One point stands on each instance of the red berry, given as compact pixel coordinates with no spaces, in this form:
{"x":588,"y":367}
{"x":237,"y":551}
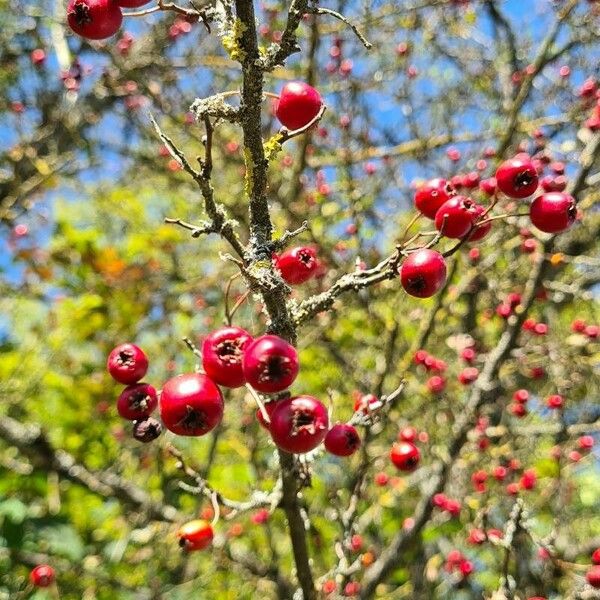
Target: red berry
{"x":521,"y":396}
{"x":407,"y":434}
{"x":554,"y":401}
{"x":529,"y":246}
{"x":528,"y":479}
{"x":585,"y":442}
{"x":512,"y":489}
{"x":137,"y":401}
{"x":356,"y":542}
{"x":468,"y":375}
{"x":38,"y":56}
{"x":455,"y":217}
{"x":518,"y":410}
{"x":270,"y":364}
{"x":430,"y":196}
{"x":405,"y":456}
{"x":352,"y":588}
{"x":423,"y":273}
{"x":42,"y":576}
{"x":553,"y":212}
{"x":453,"y":507}
{"x":596,"y":556}
{"x":298,"y":264}
{"x":466,"y":568}
{"x":94,"y":19}
{"x":328,"y":587}
{"x":578,"y":326}
{"x":222,"y":354}
{"x":191,"y":404}
{"x":342,"y":440}
{"x":468,"y":355}
{"x":298,"y":105}
{"x":195,"y":535}
{"x":436,"y":384}
{"x":299,"y":424}
{"x":381,"y":479}
{"x":592,"y":331}
{"x":517,"y":177}
{"x":127,"y":363}
{"x":593,"y":577}
{"x":488,"y":186}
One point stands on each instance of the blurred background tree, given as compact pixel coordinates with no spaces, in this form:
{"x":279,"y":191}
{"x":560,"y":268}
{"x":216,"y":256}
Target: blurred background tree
{"x":447,"y":89}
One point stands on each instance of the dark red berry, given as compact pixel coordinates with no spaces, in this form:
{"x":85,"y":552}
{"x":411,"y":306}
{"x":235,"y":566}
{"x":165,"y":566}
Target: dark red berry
{"x":299,"y":424}
{"x":270,"y":364}
{"x":423,"y":273}
{"x":191,"y":404}
{"x":42,"y":576}
{"x":405,"y":456}
{"x":195,"y":535}
{"x":431,"y":195}
{"x":455,"y":217}
{"x":342,"y":440}
{"x":127,"y":363}
{"x":298,"y":105}
{"x":517,"y":177}
{"x":593,"y":577}
{"x":222,"y":355}
{"x":94,"y":19}
{"x":137,"y":401}
{"x":298,"y":264}
{"x":553,"y":212}
{"x":146,"y":430}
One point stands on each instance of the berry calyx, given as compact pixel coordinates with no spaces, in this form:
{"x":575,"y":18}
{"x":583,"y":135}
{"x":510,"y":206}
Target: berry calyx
{"x":146,"y":430}
{"x":299,"y":424}
{"x":195,"y":535}
{"x":222,"y":355}
{"x":42,"y":576}
{"x":342,"y":440}
{"x":94,"y":19}
{"x":191,"y":404}
{"x":270,"y":364}
{"x":431,"y":195}
{"x":127,"y":363}
{"x":553,"y":212}
{"x":517,"y":177}
{"x":299,"y":103}
{"x":455,"y":217}
{"x":298,"y":264}
{"x":423,"y":273}
{"x":405,"y":456}
{"x":137,"y":401}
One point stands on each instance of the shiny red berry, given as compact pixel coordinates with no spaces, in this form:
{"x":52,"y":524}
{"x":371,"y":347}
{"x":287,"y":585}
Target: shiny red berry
{"x":127,"y":363}
{"x":137,"y":401}
{"x":521,"y":396}
{"x":195,"y":535}
{"x":270,"y":364}
{"x":299,"y":424}
{"x":94,"y":19}
{"x":42,"y":576}
{"x":191,"y":404}
{"x":342,"y":440}
{"x":298,"y":264}
{"x":222,"y":354}
{"x":455,"y":217}
{"x":298,"y":105}
{"x":517,"y":177}
{"x":405,"y":456}
{"x":431,"y":195}
{"x":423,"y":273}
{"x":553,"y":212}
{"x":596,"y":556}
{"x":555,"y":401}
